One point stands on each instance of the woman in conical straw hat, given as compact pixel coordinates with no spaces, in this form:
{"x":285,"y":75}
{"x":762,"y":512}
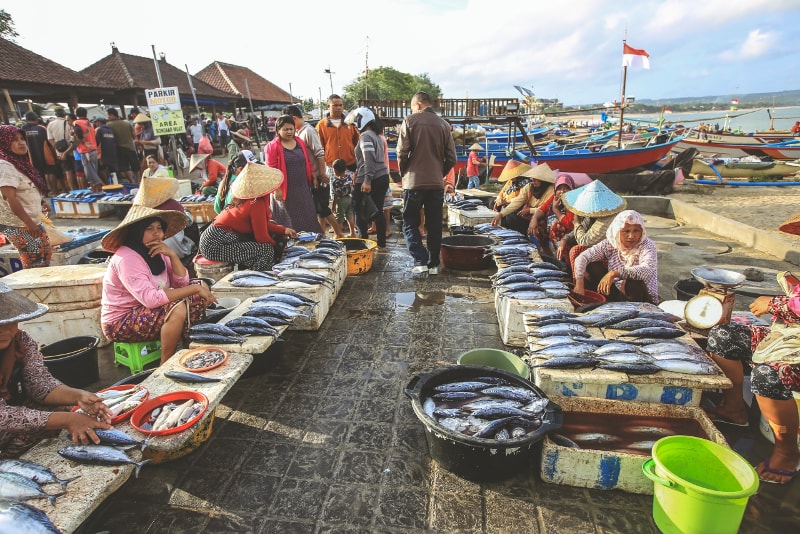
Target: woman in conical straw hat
{"x":512,"y":184}
{"x":474,"y":163}
{"x":147,"y":293}
{"x":627,"y":260}
{"x":27,"y":388}
{"x":552,"y":219}
{"x":517,"y":214}
{"x":594,"y":206}
{"x":244,"y":233}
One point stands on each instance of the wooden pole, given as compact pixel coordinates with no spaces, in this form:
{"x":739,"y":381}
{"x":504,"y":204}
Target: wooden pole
{"x":10,"y":105}
{"x":622,"y":105}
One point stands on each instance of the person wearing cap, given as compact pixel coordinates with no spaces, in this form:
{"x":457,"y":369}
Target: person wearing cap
{"x":106,"y":149}
{"x":127,"y":159}
{"x":556,"y":217}
{"x":147,"y":294}
{"x":372,"y":174}
{"x":518,"y":213}
{"x":22,"y":204}
{"x":59,"y":133}
{"x":224,"y":195}
{"x":626,"y":263}
{"x":594,"y":206}
{"x":320,"y":184}
{"x":40,"y":150}
{"x":292,"y":204}
{"x":513,"y":183}
{"x":27,"y":388}
{"x":244,"y":232}
{"x":474,"y":163}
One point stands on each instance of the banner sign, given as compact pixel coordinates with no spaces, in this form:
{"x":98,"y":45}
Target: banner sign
{"x":165,"y":110}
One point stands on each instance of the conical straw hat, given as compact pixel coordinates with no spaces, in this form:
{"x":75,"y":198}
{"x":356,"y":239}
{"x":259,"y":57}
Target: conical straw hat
{"x":195,"y":160}
{"x":154,"y":191}
{"x":141,"y":117}
{"x":176,"y":221}
{"x":256,"y":181}
{"x":15,"y":308}
{"x":513,"y":169}
{"x":791,"y":225}
{"x":593,"y":200}
{"x":541,"y":172}
{"x":476,"y":146}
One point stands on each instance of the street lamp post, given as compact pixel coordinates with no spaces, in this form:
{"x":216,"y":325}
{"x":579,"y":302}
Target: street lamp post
{"x":330,"y":76}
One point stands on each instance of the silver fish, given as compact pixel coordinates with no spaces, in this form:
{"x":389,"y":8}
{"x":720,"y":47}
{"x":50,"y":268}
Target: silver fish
{"x":496,"y":412}
{"x":32,"y":470}
{"x":687,"y":367}
{"x":244,"y":274}
{"x":596,"y":438}
{"x":625,"y":357}
{"x":630,"y":368}
{"x":563,"y":441}
{"x":526,"y":295}
{"x":22,"y":518}
{"x":655,"y":431}
{"x":212,"y":328}
{"x":511,"y":392}
{"x":571,"y":349}
{"x":611,"y":348}
{"x":186,"y":376}
{"x":672,"y":346}
{"x":566,"y":362}
{"x":253,"y":281}
{"x":21,"y":488}
{"x":574,"y":330}
{"x":113,"y":436}
{"x":461,"y":386}
{"x":642,"y":445}
{"x":655,"y":332}
{"x":485,"y":403}
{"x":609,"y":318}
{"x":638,"y":322}
{"x":101,"y":454}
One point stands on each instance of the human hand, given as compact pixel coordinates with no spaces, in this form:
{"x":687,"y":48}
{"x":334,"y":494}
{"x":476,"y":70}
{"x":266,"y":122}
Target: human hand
{"x":449,"y":189}
{"x":81,"y":428}
{"x":278,"y":195}
{"x":366,"y":188}
{"x":579,"y":289}
{"x":496,"y":220}
{"x":760,"y":306}
{"x":34,"y":230}
{"x":159,"y":247}
{"x":206,"y":294}
{"x":604,"y":286}
{"x":561,"y":252}
{"x":93,"y":406}
{"x":291,"y":233}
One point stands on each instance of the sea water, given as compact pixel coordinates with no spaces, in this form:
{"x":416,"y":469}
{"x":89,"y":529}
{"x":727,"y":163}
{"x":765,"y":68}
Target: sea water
{"x":744,"y":120}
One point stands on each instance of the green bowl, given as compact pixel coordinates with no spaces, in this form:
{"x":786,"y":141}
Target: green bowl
{"x":497,"y":358}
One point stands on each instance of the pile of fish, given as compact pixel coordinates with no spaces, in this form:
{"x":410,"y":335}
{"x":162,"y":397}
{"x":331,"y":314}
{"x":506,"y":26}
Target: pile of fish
{"x":451,"y":198}
{"x":294,"y":270}
{"x":203,"y":359}
{"x":118,"y":197}
{"x":531,"y":280}
{"x":172,"y":415}
{"x":215,"y":333}
{"x":188,"y":199}
{"x":82,"y":195}
{"x":486,"y":407}
{"x":121,"y":401}
{"x":638,"y":439}
{"x":562,"y":340}
{"x":471,"y":204}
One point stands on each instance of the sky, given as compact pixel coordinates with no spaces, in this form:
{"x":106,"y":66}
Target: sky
{"x":570,"y":50}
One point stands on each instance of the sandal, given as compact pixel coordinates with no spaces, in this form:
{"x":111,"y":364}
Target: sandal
{"x":774,"y":471}
{"x":725,"y":420}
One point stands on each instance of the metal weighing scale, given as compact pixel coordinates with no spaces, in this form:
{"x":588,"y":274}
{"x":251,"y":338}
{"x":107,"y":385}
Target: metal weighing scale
{"x":719,"y":284}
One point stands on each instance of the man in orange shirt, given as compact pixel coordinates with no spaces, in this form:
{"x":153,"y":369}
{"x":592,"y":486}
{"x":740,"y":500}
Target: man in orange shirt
{"x":84,"y":141}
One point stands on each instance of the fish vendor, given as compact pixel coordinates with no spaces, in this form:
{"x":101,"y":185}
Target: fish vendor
{"x":147,"y":293}
{"x":244,"y":232}
{"x":26,"y":386}
{"x":517,"y":214}
{"x":627,"y":260}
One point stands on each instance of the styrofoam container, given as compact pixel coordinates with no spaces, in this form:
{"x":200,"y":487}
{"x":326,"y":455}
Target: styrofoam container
{"x":57,"y":325}
{"x":10,"y":262}
{"x":510,"y":316}
{"x":65,"y":285}
{"x":607,"y":470}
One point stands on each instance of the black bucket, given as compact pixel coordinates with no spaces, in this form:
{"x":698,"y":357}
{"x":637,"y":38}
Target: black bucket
{"x":687,"y":288}
{"x":73,"y":360}
{"x":95,"y":256}
{"x":477,"y":458}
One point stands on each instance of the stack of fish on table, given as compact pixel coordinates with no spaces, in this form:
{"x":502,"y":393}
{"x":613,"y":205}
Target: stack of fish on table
{"x":191,"y":199}
{"x":23,"y":480}
{"x":643,"y":339}
{"x":471,"y":204}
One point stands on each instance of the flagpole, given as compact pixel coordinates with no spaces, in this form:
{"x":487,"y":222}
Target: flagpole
{"x":622,"y":99}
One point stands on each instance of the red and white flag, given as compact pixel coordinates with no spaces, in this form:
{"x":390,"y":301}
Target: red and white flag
{"x":634,"y":57}
{"x":734,"y":101}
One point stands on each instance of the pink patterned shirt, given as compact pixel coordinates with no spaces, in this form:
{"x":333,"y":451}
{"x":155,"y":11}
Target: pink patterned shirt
{"x":645,"y":267}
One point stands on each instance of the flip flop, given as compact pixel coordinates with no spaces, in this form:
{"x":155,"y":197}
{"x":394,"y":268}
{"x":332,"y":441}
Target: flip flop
{"x":718,"y":418}
{"x":779,"y":472}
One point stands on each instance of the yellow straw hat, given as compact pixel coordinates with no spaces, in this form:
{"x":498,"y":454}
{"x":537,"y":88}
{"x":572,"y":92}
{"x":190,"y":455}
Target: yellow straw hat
{"x":476,"y":146}
{"x":141,"y":117}
{"x":256,"y":181}
{"x":154,"y":191}
{"x":513,"y":169}
{"x":195,"y":160}
{"x":541,"y":172}
{"x":176,"y":221}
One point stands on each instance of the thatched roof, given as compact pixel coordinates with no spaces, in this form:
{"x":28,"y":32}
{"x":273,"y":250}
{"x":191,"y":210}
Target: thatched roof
{"x":231,"y":79}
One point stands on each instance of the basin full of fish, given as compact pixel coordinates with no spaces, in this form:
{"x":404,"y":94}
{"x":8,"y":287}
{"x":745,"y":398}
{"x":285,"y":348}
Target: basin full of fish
{"x":486,"y":407}
{"x":203,"y":359}
{"x":170,"y":416}
{"x":121,"y":400}
{"x":648,"y":343}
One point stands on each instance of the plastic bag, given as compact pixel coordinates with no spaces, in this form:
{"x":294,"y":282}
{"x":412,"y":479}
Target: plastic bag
{"x":204,"y":146}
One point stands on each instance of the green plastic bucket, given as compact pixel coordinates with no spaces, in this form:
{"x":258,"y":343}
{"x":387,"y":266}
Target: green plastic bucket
{"x":699,"y":486}
{"x":498,"y":359}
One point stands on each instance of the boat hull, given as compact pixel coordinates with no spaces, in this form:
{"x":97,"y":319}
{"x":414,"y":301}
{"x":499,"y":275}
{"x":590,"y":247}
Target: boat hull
{"x":727,"y":150}
{"x":702,"y":168}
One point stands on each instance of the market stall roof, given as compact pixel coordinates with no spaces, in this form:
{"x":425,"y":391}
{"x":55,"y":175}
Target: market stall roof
{"x":131,"y":75}
{"x":231,"y":79}
{"x":26,"y":74}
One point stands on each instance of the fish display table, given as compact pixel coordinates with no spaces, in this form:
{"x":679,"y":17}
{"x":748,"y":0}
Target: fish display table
{"x":457,"y":217}
{"x":252,"y":344}
{"x":486,"y":196}
{"x":510,"y":313}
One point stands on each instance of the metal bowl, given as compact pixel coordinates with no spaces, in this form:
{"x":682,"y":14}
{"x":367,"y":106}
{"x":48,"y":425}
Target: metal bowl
{"x":718,"y":278}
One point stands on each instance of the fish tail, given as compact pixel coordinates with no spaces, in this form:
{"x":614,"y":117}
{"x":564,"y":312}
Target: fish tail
{"x":52,"y":498}
{"x":146,"y":442}
{"x":139,"y":467}
{"x":67,"y":481}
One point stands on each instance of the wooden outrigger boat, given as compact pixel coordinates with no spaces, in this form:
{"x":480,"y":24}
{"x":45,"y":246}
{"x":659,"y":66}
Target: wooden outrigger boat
{"x":735,"y":168}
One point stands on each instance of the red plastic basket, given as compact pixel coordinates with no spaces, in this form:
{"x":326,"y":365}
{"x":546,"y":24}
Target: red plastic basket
{"x":142,"y":414}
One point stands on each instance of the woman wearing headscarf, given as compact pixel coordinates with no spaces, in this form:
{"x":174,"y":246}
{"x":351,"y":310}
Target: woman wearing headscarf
{"x":22,"y":205}
{"x":147,"y":294}
{"x":292,"y":204}
{"x":631,"y":259}
{"x":552,"y":220}
{"x":243,"y":233}
{"x":594,"y":206}
{"x":27,"y":388}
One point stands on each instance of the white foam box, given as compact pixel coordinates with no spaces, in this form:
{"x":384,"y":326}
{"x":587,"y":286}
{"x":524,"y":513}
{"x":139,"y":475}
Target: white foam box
{"x":184,"y":188}
{"x":10,"y":262}
{"x":609,"y":470}
{"x":61,"y":287}
{"x":57,"y":325}
{"x":81,"y":210}
{"x":510,"y":312}
{"x":457,"y":217}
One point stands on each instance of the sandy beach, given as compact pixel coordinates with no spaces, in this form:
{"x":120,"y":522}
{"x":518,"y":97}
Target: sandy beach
{"x":761,"y":207}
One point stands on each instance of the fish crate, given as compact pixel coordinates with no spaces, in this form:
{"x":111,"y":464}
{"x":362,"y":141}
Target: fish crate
{"x":510,"y":316}
{"x":457,"y":217}
{"x":57,"y":325}
{"x":65,"y":209}
{"x":610,"y":470}
{"x":62,"y":288}
{"x":201,"y":212}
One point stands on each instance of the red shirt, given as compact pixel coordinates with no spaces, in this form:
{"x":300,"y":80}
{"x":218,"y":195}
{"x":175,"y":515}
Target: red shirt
{"x":214,"y":168}
{"x":472,"y":164}
{"x":89,"y":143}
{"x":251,"y":218}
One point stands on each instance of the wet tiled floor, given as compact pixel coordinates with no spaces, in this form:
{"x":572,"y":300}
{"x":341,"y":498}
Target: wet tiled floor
{"x":325,"y":440}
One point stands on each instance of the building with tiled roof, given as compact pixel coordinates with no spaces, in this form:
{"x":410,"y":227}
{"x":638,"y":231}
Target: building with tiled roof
{"x":131,"y":75}
{"x":27,"y":75}
{"x":236,"y":80}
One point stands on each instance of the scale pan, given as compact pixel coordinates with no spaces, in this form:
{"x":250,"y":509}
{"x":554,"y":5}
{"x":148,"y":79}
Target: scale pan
{"x":718,"y":278}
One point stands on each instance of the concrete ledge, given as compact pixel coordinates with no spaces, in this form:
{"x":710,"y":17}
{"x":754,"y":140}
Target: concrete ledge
{"x":717,"y":224}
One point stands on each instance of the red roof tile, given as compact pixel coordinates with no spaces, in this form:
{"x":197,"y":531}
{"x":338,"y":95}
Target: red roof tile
{"x":231,"y":79}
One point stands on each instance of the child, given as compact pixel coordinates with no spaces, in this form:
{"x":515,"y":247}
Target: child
{"x":342,"y":185}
